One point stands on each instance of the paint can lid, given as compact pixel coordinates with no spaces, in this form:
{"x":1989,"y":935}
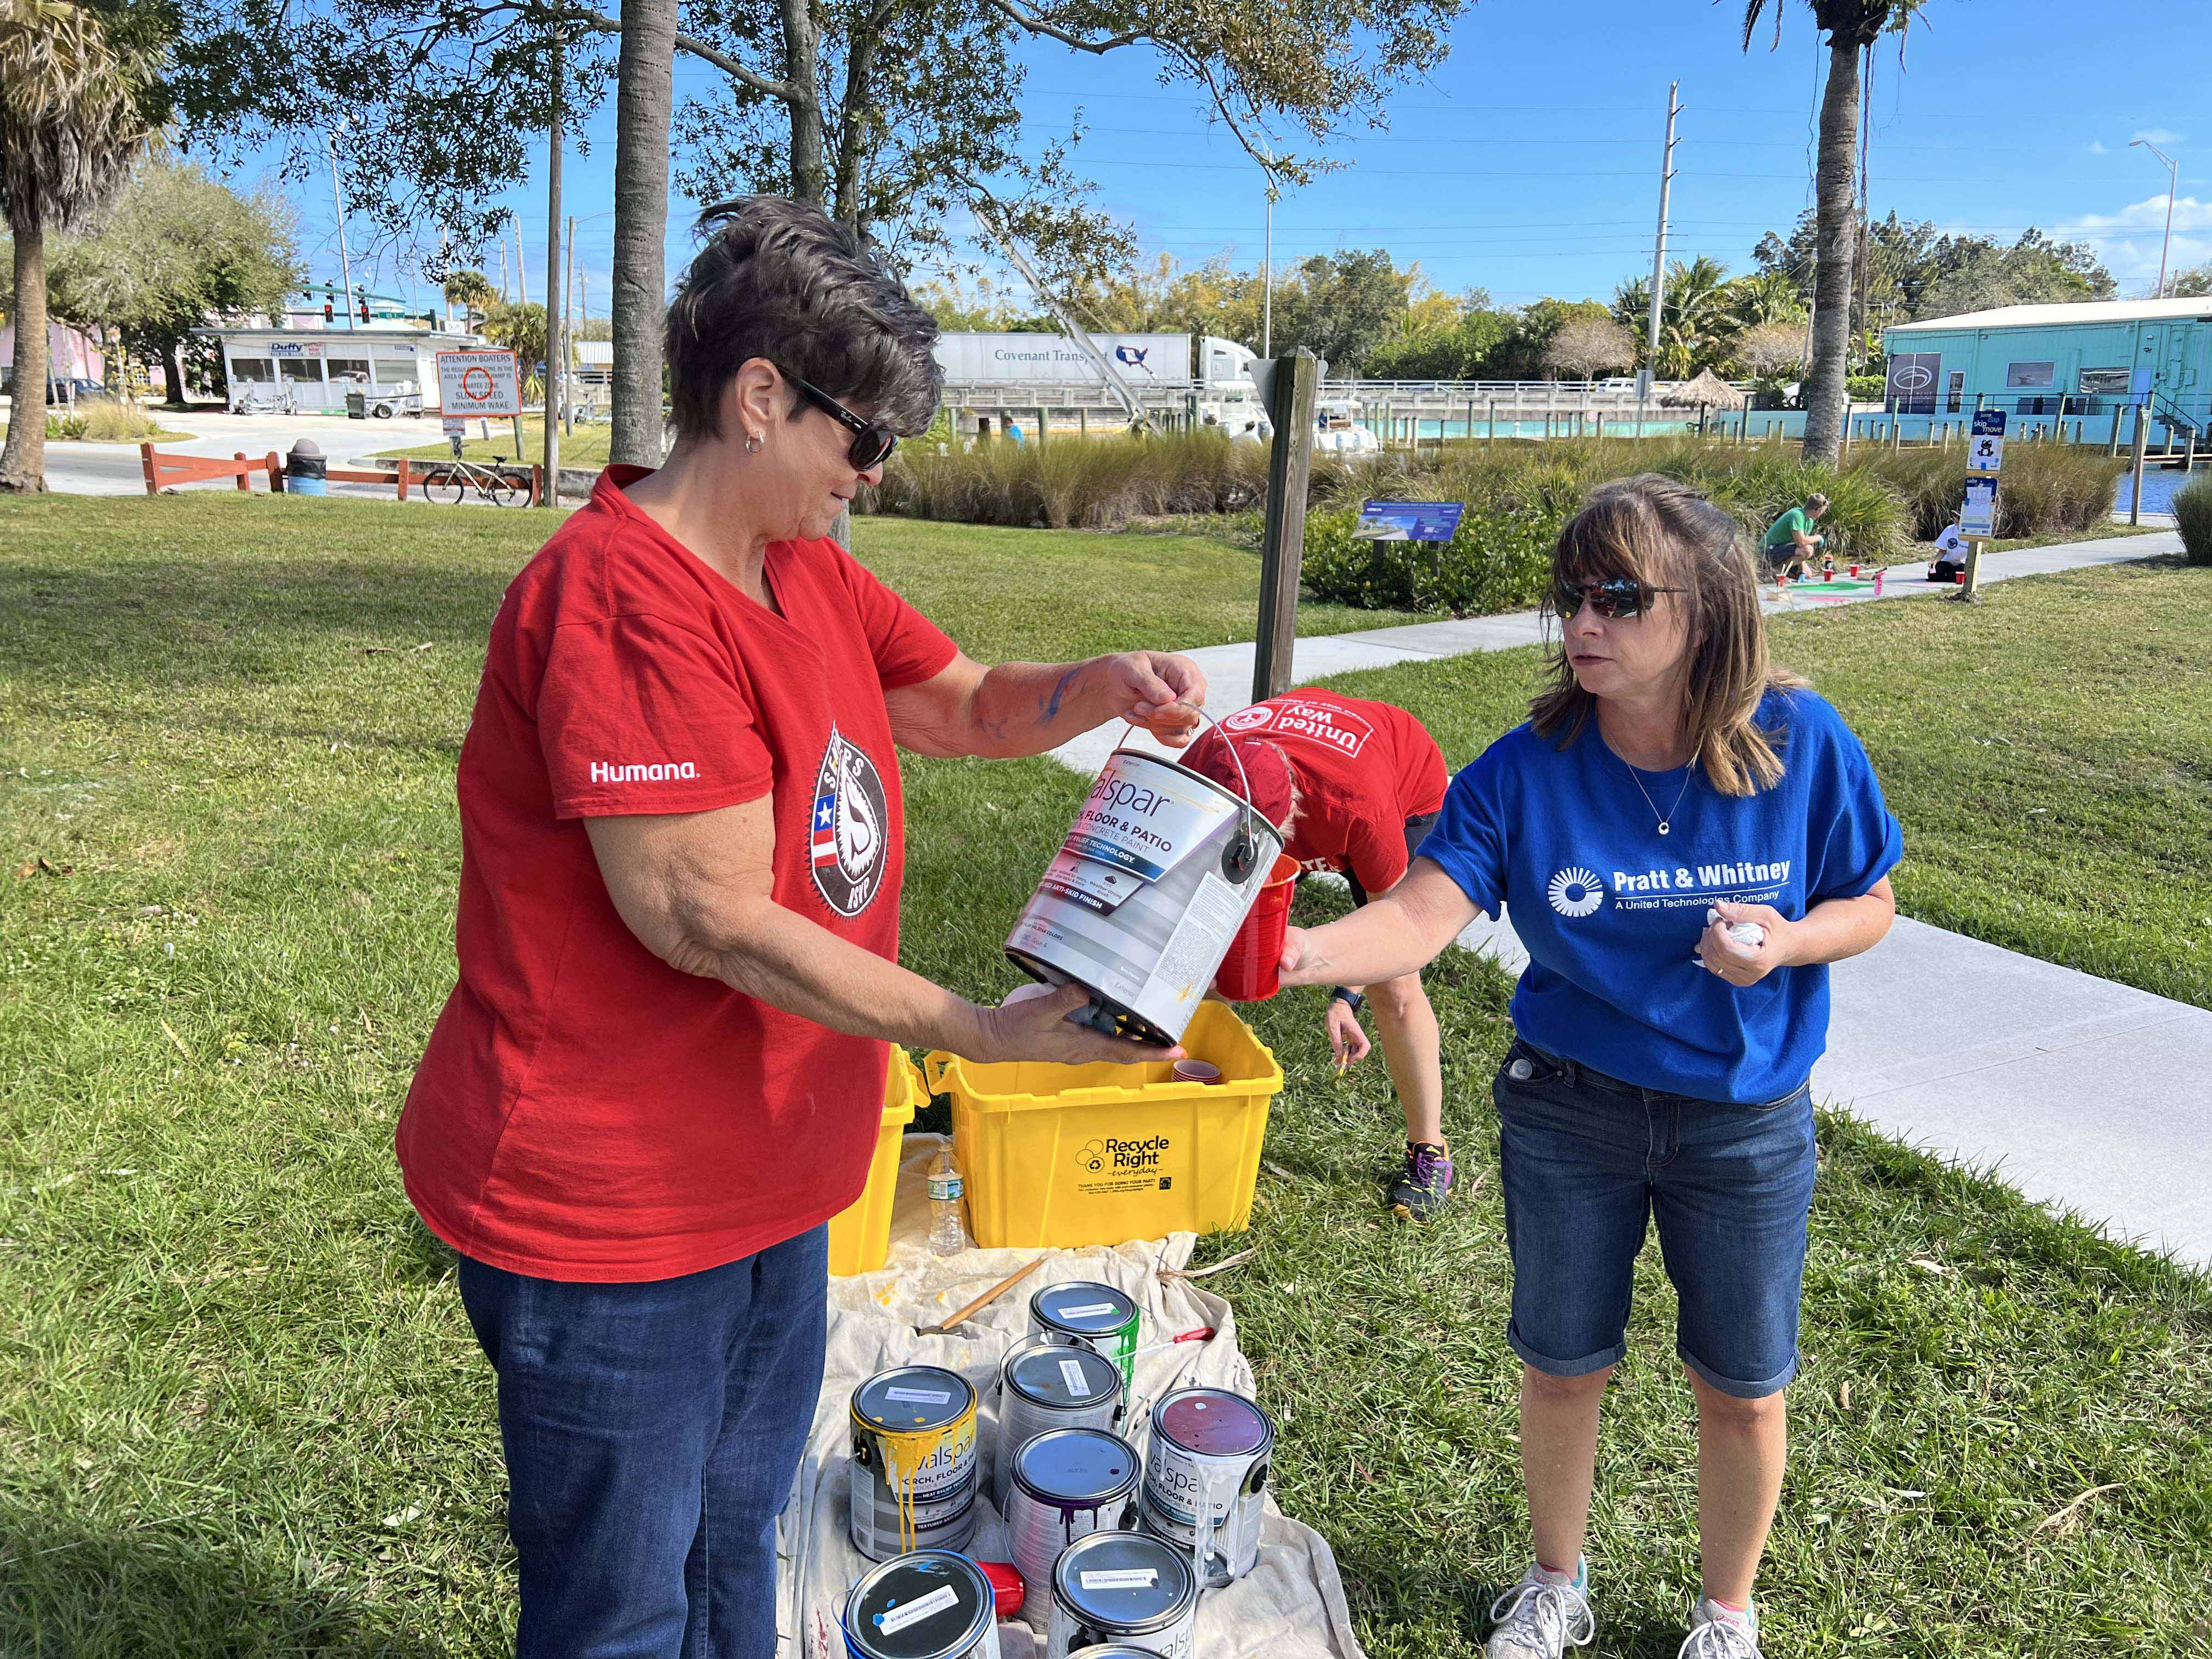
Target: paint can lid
{"x":1080,"y":1308}
{"x":1065,"y":1379}
{"x":1078,"y":1466}
{"x":1213,"y":1423}
{"x":931,"y":1604}
{"x":912,"y":1399}
{"x":1129,"y":1583}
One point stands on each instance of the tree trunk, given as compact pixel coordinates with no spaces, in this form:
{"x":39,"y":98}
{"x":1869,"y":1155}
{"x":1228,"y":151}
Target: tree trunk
{"x":858,"y":117}
{"x":802,"y":61}
{"x":644,"y":101}
{"x":1827,"y":396}
{"x":173,"y":371}
{"x":23,"y":462}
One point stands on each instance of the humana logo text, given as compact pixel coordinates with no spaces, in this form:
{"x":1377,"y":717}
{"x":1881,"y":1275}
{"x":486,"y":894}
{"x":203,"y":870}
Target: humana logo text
{"x":658,"y":772}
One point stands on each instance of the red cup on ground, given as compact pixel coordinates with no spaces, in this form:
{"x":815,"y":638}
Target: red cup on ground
{"x":1855,"y":570}
{"x":1959,"y":578}
{"x":1252,"y":971}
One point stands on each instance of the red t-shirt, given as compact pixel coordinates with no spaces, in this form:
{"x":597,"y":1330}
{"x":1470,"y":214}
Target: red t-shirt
{"x":585,"y":1111}
{"x":1363,"y":770}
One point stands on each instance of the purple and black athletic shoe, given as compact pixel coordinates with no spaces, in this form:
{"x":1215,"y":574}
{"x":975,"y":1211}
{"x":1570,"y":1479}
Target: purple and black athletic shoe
{"x":1426,"y":1182}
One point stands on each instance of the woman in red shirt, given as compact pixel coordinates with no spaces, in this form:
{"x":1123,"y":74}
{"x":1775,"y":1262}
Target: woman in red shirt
{"x":1356,"y":784}
{"x":682,"y":842}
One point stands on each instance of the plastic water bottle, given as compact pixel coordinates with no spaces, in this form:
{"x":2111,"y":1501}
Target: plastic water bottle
{"x":948,"y":1234}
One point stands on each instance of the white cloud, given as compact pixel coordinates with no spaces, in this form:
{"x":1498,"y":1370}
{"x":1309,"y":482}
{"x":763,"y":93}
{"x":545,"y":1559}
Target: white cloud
{"x":2160,"y":136}
{"x":2150,"y":214}
{"x":2097,"y":147}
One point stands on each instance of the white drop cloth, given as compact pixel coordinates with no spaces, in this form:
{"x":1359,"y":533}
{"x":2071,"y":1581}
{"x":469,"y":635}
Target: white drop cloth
{"x":1292,"y":1605}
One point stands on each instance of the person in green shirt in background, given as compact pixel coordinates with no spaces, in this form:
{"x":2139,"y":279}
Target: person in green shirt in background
{"x":1790,"y":545}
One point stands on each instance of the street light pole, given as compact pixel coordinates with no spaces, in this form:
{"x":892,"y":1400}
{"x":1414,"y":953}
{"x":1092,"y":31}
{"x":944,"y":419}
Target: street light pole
{"x":2172,"y":184}
{"x":1268,"y":282}
{"x":338,"y":196}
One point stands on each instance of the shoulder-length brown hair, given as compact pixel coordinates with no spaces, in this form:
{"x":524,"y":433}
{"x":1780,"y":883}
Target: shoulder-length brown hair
{"x":1668,"y":534}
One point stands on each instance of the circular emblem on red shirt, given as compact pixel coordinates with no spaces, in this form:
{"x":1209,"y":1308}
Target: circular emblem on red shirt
{"x":851,"y":827}
{"x":1245,"y":719}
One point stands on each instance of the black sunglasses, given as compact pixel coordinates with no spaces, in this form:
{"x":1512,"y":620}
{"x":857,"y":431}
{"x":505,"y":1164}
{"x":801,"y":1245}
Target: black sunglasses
{"x":1623,"y":599}
{"x":873,"y":440}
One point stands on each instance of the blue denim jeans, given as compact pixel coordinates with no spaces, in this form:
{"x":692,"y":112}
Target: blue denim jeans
{"x":652,"y":1433}
{"x":1587,"y":1160}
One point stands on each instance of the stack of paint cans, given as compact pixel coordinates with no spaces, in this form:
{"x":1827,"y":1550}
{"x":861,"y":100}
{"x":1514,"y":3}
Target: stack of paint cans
{"x":933,"y":1604}
{"x":1204,"y":1478}
{"x":1065,"y":1486}
{"x":1081,"y":1314}
{"x":914,"y":1467}
{"x":1042,"y":1387}
{"x":1124,"y":1589}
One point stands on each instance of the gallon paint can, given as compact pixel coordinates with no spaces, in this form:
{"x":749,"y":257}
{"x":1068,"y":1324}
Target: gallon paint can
{"x":931,"y":1604}
{"x":1085,"y":1314}
{"x":914,"y":1469}
{"x":1044,"y":1386}
{"x":1067,"y":1485}
{"x":1142,"y":899}
{"x":1113,"y":1650}
{"x":1204,"y":1476}
{"x":1125,"y":1589}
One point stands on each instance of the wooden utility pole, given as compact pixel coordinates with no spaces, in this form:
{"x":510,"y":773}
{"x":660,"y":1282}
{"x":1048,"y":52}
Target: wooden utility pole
{"x":554,"y":342}
{"x":2142,"y":448}
{"x":1291,"y":385}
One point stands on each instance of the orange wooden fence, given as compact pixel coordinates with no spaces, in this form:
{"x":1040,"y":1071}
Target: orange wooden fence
{"x":164,"y":470}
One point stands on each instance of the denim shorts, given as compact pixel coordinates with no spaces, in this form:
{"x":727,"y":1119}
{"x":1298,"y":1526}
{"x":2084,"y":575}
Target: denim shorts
{"x":1586,"y":1159}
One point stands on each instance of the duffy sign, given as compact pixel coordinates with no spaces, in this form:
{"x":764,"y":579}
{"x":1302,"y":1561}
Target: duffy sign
{"x":472,"y":383}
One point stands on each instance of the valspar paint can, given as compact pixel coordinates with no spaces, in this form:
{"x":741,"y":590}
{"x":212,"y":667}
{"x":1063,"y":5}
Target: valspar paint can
{"x":1065,"y":1486}
{"x":1129,"y":1589}
{"x":1204,"y":1475}
{"x":1043,"y":1385}
{"x":1142,"y":899}
{"x":931,"y":1604}
{"x":1086,"y":1313}
{"x":914,"y":1470}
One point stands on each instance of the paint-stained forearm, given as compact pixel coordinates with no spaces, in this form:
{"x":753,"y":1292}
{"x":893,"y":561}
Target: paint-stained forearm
{"x":1028,"y":707}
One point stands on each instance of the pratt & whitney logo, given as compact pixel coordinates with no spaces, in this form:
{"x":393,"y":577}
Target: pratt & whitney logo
{"x":851,"y":821}
{"x":1576,"y":891}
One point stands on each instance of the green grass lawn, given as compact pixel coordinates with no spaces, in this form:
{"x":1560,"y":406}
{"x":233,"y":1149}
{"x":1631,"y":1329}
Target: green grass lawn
{"x":585,"y":447}
{"x":240,"y":1412}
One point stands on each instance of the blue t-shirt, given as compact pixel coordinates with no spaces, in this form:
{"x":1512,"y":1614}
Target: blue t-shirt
{"x":1611,"y":910}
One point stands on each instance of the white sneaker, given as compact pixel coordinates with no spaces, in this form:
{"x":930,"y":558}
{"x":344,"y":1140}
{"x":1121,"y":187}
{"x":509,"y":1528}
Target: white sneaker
{"x":1541,"y":1617}
{"x":1718,"y":1635}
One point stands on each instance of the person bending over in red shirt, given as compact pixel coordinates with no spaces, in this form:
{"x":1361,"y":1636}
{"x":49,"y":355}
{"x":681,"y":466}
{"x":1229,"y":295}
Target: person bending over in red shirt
{"x":1356,"y":785}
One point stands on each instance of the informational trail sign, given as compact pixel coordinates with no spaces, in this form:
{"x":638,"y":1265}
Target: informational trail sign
{"x":1408,"y":521}
{"x":1978,"y":515}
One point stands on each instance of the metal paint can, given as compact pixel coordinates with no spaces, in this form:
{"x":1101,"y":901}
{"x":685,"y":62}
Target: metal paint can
{"x":1204,"y":1477}
{"x":914,"y":1469}
{"x":1067,"y":1485}
{"x":1140,"y":904}
{"x":1113,"y":1650}
{"x":1085,"y":1314}
{"x":931,"y":1604}
{"x":1044,"y":1386}
{"x":1127,"y":1589}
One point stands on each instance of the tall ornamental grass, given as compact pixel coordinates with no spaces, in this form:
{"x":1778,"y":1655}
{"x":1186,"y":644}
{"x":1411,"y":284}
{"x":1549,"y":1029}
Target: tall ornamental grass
{"x":1073,"y":482}
{"x":2192,"y":511}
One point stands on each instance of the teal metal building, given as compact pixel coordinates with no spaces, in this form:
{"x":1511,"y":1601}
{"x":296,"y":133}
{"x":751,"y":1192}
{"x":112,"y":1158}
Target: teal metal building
{"x":2062,"y":369}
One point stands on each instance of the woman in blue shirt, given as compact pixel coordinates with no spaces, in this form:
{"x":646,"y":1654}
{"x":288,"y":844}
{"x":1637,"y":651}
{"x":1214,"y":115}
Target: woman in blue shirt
{"x":1686,"y":835}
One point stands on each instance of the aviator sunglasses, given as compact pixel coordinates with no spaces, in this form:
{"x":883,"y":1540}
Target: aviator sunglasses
{"x":1622,"y":598}
{"x":873,"y":440}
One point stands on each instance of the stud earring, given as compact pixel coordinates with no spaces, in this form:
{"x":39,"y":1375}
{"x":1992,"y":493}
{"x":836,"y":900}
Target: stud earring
{"x":752,"y":442}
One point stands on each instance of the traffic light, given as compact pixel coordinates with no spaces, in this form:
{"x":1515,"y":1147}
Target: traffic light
{"x":364,"y":307}
{"x":327,"y":314}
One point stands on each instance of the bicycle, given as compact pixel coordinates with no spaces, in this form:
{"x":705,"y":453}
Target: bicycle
{"x":491,"y":483}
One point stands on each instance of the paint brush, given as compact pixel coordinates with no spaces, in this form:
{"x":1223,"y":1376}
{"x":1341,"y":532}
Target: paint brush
{"x":984,"y":1300}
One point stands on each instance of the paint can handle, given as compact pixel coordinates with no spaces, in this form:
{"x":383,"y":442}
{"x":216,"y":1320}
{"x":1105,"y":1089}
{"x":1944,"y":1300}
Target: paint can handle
{"x":1245,"y":850}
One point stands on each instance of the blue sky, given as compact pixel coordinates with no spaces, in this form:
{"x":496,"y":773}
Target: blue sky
{"x":1505,"y":172}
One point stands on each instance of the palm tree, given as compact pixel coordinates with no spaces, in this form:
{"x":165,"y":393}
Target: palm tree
{"x":1852,"y":27}
{"x":472,"y":291}
{"x":1694,"y":320}
{"x":1765,"y":296}
{"x":75,"y":114}
{"x":644,"y":108}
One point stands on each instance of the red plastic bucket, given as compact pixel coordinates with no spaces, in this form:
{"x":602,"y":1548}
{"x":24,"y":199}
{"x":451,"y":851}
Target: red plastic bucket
{"x":1251,"y":972}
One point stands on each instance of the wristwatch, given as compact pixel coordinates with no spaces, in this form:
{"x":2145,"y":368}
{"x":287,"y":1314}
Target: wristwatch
{"x":1351,"y":1000}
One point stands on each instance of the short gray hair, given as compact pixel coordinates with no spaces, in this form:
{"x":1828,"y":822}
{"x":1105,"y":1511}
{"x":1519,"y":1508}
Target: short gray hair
{"x":782,"y":280}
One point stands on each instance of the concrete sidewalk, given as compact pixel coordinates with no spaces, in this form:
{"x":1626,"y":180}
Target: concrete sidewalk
{"x":2081,"y":1093}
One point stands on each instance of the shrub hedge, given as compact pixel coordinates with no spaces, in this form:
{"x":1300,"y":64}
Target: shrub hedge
{"x":2192,"y":511}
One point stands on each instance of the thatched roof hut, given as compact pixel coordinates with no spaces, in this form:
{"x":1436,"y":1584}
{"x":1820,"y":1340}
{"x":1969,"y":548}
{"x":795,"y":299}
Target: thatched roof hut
{"x":1707,"y":390}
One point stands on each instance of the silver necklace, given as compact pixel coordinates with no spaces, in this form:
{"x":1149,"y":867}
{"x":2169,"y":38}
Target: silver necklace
{"x":1666,"y":820}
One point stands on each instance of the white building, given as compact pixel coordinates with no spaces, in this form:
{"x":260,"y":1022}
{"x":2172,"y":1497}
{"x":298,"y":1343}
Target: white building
{"x":311,"y":370}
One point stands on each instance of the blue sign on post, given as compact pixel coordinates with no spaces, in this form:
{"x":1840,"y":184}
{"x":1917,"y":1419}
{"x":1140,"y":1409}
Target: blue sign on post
{"x":1988,"y":423}
{"x":1408,"y":521}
